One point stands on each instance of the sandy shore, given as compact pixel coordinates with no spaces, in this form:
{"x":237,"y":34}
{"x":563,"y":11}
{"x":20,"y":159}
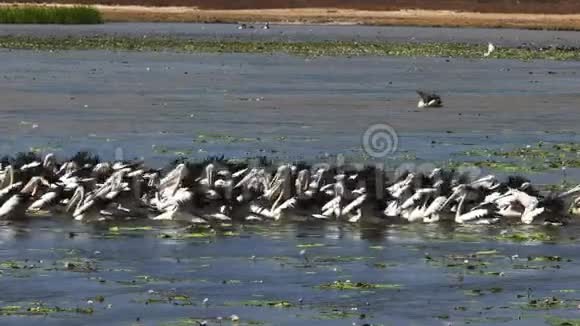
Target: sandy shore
{"x":340,"y":16}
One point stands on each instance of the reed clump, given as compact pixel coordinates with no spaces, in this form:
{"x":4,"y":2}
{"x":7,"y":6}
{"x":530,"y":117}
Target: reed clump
{"x":50,"y":15}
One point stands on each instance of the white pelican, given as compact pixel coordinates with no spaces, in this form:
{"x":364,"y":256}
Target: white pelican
{"x":6,"y":177}
{"x":179,"y":208}
{"x":15,"y":207}
{"x":48,"y":201}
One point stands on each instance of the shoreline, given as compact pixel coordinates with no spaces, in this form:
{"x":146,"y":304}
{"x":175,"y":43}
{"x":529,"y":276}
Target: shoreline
{"x":308,"y":49}
{"x":426,"y":18}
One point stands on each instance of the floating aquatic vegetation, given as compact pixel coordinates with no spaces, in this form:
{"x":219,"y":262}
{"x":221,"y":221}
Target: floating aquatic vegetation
{"x":11,"y":264}
{"x":532,"y":158}
{"x":310,"y":245}
{"x":476,"y":263}
{"x":338,"y":259}
{"x":349,"y":285}
{"x":310,"y":49}
{"x":169,"y":298}
{"x":480,"y":292}
{"x":338,"y":313}
{"x":549,"y":303}
{"x":267,"y":303}
{"x":41,"y":309}
{"x":99,"y":299}
{"x":220,"y":138}
{"x":80,"y":265}
{"x":547,"y":259}
{"x":525,"y":237}
{"x":559,"y":321}
{"x":160,"y":149}
{"x":507,"y":167}
{"x":198,"y":234}
{"x":235,"y":320}
{"x":384,"y":265}
{"x":140,"y":280}
{"x":542,"y":262}
{"x":10,"y":310}
{"x":45,"y":148}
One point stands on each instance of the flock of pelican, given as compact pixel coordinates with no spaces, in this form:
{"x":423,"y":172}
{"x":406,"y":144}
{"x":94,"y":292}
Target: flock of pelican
{"x":208,"y":193}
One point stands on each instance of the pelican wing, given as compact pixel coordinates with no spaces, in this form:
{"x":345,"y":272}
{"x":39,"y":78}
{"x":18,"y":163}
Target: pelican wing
{"x":473,"y":215}
{"x":428,"y":97}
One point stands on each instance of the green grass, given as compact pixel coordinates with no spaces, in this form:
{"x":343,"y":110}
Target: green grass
{"x":49,"y":15}
{"x":309,"y":49}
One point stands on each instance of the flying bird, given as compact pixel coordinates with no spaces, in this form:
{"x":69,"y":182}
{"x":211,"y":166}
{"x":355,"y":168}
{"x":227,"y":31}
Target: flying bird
{"x":429,"y":100}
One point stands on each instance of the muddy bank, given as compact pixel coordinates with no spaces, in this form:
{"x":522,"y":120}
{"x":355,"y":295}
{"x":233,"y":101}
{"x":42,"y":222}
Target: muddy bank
{"x":493,"y":6}
{"x":434,"y":17}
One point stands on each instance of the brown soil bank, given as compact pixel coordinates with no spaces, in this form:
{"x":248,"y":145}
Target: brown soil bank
{"x":489,"y":6}
{"x":403,"y":17}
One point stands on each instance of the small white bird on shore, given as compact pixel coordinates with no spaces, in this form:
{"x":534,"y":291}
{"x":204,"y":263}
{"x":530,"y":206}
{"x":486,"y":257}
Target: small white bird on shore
{"x":490,"y":49}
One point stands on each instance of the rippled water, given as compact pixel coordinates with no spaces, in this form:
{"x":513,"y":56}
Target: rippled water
{"x":426,"y":274}
{"x":159,"y":105}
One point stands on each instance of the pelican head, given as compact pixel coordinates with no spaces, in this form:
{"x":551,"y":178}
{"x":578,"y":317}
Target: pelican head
{"x":76,"y":201}
{"x":68,"y":168}
{"x":8,"y":178}
{"x":49,"y":162}
{"x":210,"y":174}
{"x":575,"y":207}
{"x":302,"y":181}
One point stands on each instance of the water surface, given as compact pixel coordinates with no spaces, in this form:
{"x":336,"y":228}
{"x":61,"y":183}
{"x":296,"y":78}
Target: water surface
{"x":425,"y":274}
